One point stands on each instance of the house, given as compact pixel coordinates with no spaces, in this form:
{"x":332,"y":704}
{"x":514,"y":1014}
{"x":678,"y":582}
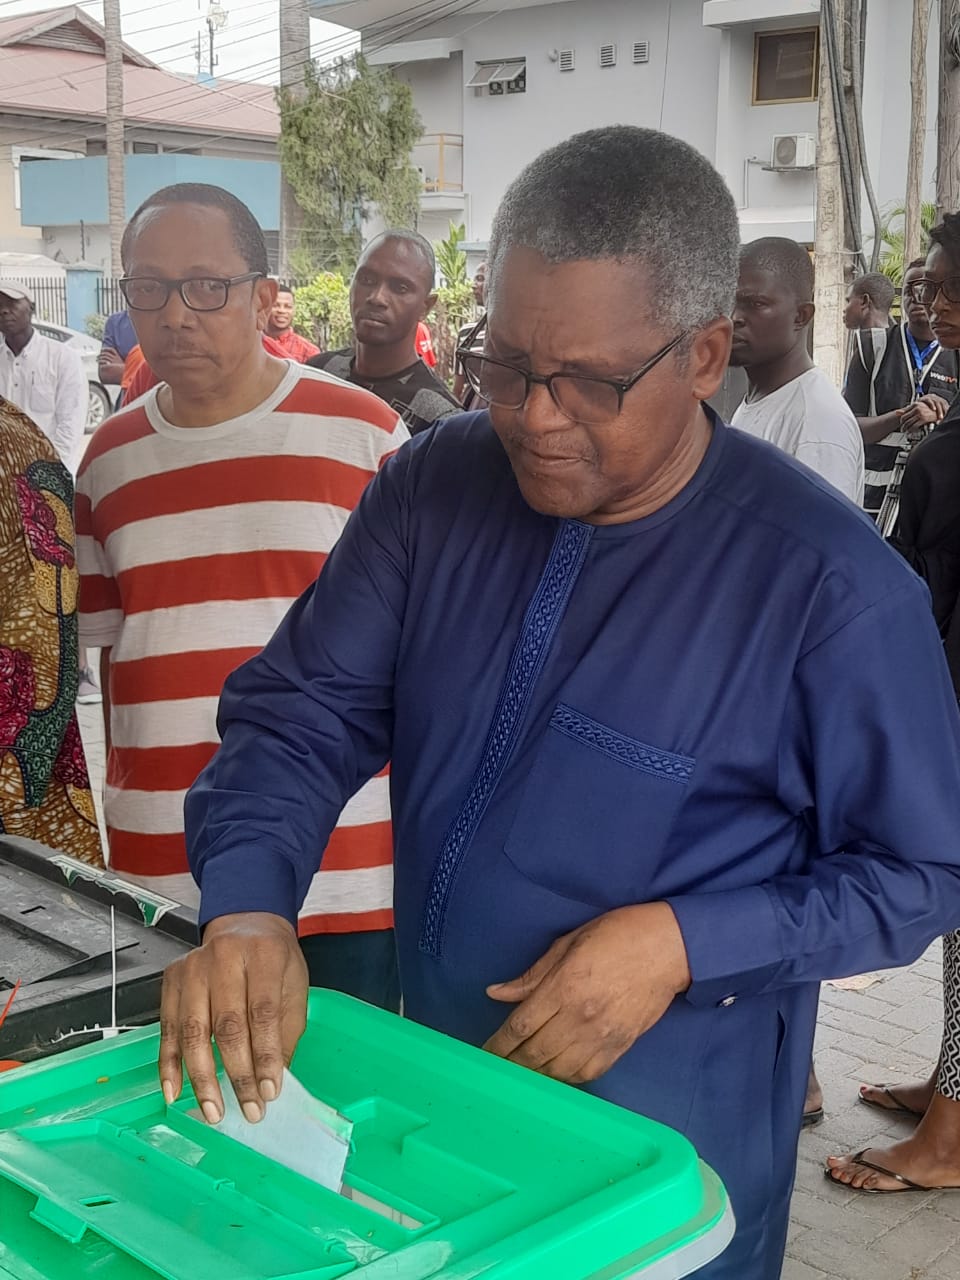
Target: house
{"x":53,"y":169}
{"x":497,"y":81}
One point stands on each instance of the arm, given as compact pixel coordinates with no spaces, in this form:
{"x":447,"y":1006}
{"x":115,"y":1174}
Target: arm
{"x":303,"y":726}
{"x":71,"y":407}
{"x":874,"y":430}
{"x":874,"y":765}
{"x":105,"y":689}
{"x":839,"y":465}
{"x":110,"y":366}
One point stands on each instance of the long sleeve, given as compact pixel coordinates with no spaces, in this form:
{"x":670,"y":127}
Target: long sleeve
{"x":862,"y":770}
{"x":71,"y":408}
{"x":305,"y":723}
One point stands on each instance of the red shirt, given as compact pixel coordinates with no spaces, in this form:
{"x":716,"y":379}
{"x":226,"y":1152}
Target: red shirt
{"x":294,"y":347}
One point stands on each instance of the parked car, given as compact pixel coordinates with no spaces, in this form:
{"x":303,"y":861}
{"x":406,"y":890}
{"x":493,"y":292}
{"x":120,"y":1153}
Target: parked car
{"x":101,"y":397}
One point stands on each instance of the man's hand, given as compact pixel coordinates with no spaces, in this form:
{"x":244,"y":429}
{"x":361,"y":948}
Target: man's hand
{"x":246,"y":986}
{"x":598,"y":989}
{"x":110,"y":366}
{"x":925,"y":412}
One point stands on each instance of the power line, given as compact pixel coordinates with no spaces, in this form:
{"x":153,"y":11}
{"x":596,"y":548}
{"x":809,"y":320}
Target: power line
{"x":382,"y":34}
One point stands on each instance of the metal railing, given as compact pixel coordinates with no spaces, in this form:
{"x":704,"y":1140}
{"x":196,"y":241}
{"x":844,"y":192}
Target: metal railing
{"x":50,"y":295}
{"x":439,"y":157}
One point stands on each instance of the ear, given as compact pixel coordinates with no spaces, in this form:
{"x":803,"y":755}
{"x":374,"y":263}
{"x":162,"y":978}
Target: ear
{"x":429,"y":302}
{"x":805,"y":314}
{"x":265,"y":295}
{"x":709,"y":357}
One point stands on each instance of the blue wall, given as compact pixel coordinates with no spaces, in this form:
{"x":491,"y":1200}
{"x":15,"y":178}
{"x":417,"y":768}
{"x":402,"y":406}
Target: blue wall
{"x":58,"y":193}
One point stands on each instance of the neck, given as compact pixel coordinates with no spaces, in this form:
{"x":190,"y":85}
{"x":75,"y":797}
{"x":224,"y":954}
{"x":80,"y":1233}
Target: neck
{"x":876,"y":320}
{"x":17,"y":341}
{"x":248,"y":386}
{"x":381,"y":362}
{"x":764,"y":378}
{"x":675,"y":473}
{"x":274,"y":332}
{"x":922,"y":333}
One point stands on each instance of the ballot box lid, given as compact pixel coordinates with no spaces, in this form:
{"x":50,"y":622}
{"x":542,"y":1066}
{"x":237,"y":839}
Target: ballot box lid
{"x":461,"y":1164}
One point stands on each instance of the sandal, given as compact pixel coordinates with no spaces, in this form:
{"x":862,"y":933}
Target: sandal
{"x":906,"y":1184}
{"x":810,"y":1118}
{"x":898,"y":1108}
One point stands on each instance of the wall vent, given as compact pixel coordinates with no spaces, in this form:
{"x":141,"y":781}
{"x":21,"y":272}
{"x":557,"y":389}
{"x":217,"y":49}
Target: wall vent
{"x":566,"y":59}
{"x":641,"y":51}
{"x":608,"y":55}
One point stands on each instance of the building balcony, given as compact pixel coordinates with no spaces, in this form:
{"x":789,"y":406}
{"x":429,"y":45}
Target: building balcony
{"x":439,"y":158}
{"x":61,"y":193}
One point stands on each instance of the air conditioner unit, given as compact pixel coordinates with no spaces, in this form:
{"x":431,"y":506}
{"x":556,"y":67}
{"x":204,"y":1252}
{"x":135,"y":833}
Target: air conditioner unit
{"x":793,"y":151}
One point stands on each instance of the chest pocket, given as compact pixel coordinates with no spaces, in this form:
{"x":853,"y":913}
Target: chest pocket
{"x":596,"y":812}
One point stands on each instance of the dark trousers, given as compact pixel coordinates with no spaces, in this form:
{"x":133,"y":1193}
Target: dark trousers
{"x":360,"y":964}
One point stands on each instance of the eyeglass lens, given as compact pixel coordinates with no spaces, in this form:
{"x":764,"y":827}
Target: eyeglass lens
{"x":145,"y":294}
{"x":581,"y":399}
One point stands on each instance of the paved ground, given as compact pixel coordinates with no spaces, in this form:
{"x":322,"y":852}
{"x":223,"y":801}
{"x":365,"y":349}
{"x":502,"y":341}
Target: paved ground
{"x":889,"y":1031}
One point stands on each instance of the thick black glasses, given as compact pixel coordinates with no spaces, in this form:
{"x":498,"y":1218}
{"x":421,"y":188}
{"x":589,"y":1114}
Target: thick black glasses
{"x":580,"y":397}
{"x":205,"y":293}
{"x":925,"y":291}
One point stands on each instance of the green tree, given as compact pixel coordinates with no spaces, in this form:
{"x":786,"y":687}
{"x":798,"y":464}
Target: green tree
{"x":451,"y":258}
{"x":892,"y":238}
{"x":345,"y":147}
{"x":321,"y":311}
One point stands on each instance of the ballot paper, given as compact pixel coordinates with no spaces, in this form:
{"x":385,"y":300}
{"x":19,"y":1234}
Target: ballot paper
{"x":298,"y":1131}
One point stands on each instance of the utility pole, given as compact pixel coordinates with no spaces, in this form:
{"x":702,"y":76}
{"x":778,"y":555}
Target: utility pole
{"x":912,"y":222}
{"x":294,"y":55}
{"x":829,"y":334}
{"x":948,"y":110}
{"x":116,"y":203}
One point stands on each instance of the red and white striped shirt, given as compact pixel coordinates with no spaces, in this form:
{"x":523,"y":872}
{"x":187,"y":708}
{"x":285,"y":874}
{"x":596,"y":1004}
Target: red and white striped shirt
{"x":192,"y":543}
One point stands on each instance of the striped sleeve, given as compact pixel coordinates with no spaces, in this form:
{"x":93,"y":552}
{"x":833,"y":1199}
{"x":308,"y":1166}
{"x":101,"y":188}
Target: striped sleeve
{"x":100,"y":611}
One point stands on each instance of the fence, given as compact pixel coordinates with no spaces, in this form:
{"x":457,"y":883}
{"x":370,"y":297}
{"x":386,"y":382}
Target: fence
{"x":109,"y":297}
{"x":50,"y":294}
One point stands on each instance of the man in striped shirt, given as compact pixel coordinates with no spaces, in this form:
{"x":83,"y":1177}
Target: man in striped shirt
{"x":203,"y":511}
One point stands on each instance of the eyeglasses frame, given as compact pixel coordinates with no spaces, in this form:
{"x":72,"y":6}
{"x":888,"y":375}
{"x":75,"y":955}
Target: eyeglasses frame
{"x":228,"y":281}
{"x":546,"y":380}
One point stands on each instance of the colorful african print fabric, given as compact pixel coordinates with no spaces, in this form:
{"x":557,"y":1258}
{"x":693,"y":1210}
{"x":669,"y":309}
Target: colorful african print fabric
{"x":44,"y":788}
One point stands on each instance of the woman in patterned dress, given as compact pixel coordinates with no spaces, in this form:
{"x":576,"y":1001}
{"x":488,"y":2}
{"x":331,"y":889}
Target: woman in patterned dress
{"x":44,"y":788}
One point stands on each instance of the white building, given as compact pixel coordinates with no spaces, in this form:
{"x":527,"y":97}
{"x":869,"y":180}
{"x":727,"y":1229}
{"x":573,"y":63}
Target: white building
{"x":497,"y":81}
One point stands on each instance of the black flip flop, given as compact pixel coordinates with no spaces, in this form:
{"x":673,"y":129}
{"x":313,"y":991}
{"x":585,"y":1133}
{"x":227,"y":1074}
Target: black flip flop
{"x":906,"y":1184}
{"x":810,"y":1118}
{"x":898,"y":1109}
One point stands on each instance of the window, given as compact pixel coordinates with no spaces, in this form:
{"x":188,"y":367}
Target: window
{"x":146,"y":148}
{"x":786,"y":66}
{"x":504,"y":76}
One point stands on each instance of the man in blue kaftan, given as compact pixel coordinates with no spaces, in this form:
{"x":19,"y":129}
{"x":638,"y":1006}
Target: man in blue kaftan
{"x":651,"y":779}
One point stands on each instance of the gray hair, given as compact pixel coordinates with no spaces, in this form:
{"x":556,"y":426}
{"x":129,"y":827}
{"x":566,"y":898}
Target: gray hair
{"x":627,"y":194}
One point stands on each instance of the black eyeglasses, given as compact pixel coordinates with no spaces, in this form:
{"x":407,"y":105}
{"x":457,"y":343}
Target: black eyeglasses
{"x":925,"y":291}
{"x":204,"y":293}
{"x":580,"y":397}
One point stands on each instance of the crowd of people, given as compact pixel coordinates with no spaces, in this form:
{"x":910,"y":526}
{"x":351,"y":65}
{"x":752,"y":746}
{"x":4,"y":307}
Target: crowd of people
{"x":549,"y":704}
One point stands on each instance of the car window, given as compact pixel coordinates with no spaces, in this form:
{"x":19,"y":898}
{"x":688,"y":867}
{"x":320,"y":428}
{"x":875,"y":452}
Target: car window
{"x":56,"y":334}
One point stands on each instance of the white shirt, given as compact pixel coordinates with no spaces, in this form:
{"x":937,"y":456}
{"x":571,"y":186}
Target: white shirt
{"x":46,"y":380}
{"x":809,"y":419}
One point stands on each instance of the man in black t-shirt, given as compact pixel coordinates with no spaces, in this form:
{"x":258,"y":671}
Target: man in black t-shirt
{"x":899,"y":384}
{"x":392,"y":291}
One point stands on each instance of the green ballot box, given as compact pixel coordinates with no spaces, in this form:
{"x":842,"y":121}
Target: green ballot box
{"x":461,"y":1165}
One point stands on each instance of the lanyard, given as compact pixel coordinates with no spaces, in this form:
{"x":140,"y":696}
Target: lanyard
{"x":921,"y":362}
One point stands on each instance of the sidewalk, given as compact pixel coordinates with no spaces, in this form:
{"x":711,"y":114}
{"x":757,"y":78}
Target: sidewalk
{"x":890,"y":1031}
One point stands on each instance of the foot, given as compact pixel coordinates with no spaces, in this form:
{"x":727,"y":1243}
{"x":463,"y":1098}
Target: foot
{"x":914,"y":1098}
{"x":929,"y":1158}
{"x":88,"y":691}
{"x":813,"y":1103}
